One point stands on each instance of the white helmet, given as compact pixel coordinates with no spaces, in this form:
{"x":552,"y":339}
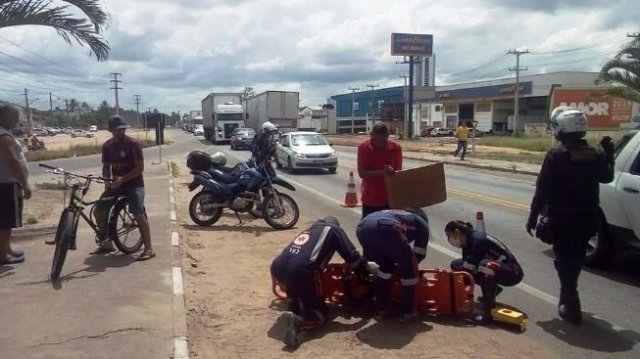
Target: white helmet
{"x":219,"y":158}
{"x":268,"y":128}
{"x":565,"y":119}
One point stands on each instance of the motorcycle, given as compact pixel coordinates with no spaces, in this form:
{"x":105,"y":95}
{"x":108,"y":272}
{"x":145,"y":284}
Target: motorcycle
{"x":246,"y":187}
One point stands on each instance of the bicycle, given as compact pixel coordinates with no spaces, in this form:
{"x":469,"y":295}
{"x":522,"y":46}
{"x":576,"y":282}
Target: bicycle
{"x":119,"y":226}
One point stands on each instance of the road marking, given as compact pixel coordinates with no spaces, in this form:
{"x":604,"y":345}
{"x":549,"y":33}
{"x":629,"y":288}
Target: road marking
{"x":175,"y":239}
{"x":180,"y":348}
{"x":173,"y":216}
{"x":490,"y":199}
{"x":171,"y":190}
{"x":172,"y":200}
{"x":178,"y":289}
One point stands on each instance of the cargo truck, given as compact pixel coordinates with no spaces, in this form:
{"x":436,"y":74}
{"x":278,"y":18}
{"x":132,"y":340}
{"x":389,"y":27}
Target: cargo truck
{"x":222,"y":113}
{"x":278,"y":107}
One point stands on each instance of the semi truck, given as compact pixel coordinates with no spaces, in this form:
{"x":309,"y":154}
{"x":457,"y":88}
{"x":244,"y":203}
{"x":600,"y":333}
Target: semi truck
{"x":222,"y":113}
{"x":277,"y":107}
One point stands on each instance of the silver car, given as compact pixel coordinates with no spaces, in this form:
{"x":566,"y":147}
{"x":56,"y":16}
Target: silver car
{"x":299,"y":150}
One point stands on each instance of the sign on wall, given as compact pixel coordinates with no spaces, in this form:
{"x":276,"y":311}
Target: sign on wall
{"x":604,"y":111}
{"x":411,"y":45}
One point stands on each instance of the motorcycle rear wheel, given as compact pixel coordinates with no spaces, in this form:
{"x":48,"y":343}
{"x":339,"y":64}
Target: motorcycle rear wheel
{"x":201,"y":216}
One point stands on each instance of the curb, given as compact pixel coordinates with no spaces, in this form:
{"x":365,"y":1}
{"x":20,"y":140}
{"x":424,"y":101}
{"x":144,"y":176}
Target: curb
{"x":180,"y":333}
{"x":469,"y":164}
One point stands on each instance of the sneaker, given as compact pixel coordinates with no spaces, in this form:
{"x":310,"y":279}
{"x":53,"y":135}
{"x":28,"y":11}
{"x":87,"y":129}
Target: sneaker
{"x":293,"y":328}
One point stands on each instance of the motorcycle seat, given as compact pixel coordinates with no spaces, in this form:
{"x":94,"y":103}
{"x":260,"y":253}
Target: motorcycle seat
{"x":227,"y":178}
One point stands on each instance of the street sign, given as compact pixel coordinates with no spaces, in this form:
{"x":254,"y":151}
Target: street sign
{"x":411,"y":45}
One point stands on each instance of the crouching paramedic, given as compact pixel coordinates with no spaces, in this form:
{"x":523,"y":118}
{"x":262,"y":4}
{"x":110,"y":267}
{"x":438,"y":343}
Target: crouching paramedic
{"x":385,"y":237}
{"x":489,"y":261}
{"x":299,"y":266}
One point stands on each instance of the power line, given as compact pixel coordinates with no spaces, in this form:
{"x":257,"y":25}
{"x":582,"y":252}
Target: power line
{"x":116,"y":88}
{"x":517,"y":69}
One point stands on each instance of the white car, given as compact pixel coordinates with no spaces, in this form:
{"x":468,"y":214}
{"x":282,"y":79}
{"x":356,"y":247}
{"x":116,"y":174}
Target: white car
{"x":198,"y":130}
{"x":619,"y":221}
{"x":441,"y":131}
{"x":299,"y":150}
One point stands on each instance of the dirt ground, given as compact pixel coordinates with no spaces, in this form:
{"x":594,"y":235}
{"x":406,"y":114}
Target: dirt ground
{"x":232,"y":312}
{"x":64,"y":141}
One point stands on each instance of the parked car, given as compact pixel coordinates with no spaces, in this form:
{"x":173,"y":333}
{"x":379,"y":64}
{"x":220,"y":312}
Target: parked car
{"x":426,"y":132}
{"x":305,"y":150}
{"x":476,"y":133}
{"x":242,"y":137}
{"x":81,"y":133}
{"x":618,"y":224}
{"x":441,"y":131}
{"x":93,"y":128}
{"x":198,"y":130}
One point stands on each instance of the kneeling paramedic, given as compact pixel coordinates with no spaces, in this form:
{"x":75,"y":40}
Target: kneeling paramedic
{"x":385,"y":237}
{"x":489,"y":261}
{"x":299,"y":266}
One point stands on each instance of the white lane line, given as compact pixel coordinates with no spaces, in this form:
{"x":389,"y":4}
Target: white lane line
{"x":180,"y":348}
{"x":173,"y":216}
{"x":178,"y":289}
{"x":175,"y":239}
{"x":170,"y":189}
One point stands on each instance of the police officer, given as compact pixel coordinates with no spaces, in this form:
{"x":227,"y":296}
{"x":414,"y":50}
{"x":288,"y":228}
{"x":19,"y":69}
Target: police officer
{"x":299,"y":266}
{"x":568,"y":190}
{"x":263,"y":146}
{"x":385,"y":237}
{"x":489,"y":261}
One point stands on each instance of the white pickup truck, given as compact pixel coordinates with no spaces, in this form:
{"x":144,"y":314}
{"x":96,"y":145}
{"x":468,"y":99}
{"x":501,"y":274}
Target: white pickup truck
{"x":619,"y":222}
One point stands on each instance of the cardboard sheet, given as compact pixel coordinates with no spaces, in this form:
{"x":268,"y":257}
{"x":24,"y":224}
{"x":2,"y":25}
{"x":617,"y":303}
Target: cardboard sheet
{"x":417,"y":187}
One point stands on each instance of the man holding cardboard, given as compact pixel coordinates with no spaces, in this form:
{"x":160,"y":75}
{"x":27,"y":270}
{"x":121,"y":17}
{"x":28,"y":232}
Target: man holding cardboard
{"x":377,"y":157}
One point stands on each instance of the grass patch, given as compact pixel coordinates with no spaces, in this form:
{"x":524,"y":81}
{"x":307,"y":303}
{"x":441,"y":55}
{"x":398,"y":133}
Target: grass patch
{"x":73,"y":151}
{"x":57,"y":186}
{"x":175,"y":170}
{"x":534,"y":144}
{"x":31,"y":220}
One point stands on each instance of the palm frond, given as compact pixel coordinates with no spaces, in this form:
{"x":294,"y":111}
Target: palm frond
{"x":93,"y":10}
{"x":36,"y":12}
{"x":625,"y":93}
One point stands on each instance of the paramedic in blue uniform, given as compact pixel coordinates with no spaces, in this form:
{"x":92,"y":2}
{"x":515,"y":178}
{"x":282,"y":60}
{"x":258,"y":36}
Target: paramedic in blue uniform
{"x":386,"y":238}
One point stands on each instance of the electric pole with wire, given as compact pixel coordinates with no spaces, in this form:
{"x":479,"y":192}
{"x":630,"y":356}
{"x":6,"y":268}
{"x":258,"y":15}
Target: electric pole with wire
{"x":116,"y":88}
{"x":137,"y":102}
{"x":517,"y":69}
{"x":353,"y":106}
{"x":373,"y":111}
{"x":26,"y":101}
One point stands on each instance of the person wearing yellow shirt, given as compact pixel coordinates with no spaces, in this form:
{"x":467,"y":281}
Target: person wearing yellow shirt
{"x":462,"y":133}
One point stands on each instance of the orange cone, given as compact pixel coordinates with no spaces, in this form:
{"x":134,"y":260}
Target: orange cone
{"x":351,"y":197}
{"x":480,"y":221}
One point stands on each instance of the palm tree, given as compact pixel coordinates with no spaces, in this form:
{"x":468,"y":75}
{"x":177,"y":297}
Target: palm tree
{"x":63,"y":18}
{"x":623,"y":71}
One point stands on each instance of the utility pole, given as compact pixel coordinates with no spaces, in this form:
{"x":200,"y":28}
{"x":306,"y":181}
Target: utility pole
{"x":51,"y":108}
{"x":137,"y":102}
{"x":66,"y":109}
{"x":517,"y":69}
{"x":26,"y":101}
{"x":353,"y":106}
{"x":404,"y":99}
{"x":372,"y":108}
{"x":116,"y":88}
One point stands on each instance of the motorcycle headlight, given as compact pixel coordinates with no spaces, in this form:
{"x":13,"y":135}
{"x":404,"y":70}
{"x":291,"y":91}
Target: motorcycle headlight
{"x":299,"y":155}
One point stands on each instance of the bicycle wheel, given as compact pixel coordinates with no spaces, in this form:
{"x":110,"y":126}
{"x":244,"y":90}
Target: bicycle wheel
{"x":283,"y":218}
{"x":123,"y":228}
{"x":64,"y":239}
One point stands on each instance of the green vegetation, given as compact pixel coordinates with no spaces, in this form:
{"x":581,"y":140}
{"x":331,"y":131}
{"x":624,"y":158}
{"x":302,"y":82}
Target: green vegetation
{"x":73,"y":151}
{"x":534,"y":144}
{"x":31,"y":220}
{"x":58,"y":186}
{"x":624,"y":72}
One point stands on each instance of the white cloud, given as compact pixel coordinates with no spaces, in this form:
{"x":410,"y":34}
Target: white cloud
{"x":174,"y":52}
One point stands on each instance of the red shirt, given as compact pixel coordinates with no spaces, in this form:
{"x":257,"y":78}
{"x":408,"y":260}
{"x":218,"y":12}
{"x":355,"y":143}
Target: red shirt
{"x":122,"y":157}
{"x":374,"y":190}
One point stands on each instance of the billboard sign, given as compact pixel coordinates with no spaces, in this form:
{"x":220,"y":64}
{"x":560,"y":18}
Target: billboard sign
{"x":411,"y":45}
{"x":604,"y":111}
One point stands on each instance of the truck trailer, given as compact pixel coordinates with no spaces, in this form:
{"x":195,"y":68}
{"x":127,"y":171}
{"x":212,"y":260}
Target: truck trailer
{"x":222,"y":113}
{"x":277,"y":107}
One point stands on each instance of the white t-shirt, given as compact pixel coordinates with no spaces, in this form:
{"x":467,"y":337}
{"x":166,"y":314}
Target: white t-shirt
{"x":6,"y":174}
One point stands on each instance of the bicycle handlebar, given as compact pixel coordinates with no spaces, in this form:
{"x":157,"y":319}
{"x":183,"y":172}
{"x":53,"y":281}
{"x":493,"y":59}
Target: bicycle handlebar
{"x":57,"y":170}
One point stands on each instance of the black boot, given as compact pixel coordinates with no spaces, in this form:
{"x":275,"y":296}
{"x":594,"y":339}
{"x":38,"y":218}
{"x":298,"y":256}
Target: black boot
{"x":381,"y":297}
{"x":483,"y":317}
{"x":569,"y":307}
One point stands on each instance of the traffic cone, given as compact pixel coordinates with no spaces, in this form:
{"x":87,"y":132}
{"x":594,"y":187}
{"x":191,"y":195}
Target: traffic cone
{"x":351,"y":197}
{"x":480,"y":221}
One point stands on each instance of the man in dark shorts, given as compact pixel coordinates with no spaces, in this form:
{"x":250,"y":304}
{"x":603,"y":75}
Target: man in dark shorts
{"x":14,"y":187}
{"x":122,"y":160}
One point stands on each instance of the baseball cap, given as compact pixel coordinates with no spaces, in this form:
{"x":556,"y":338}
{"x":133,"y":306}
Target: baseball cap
{"x":117,"y":123}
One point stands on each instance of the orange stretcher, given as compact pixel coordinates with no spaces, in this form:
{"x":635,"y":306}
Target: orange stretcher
{"x":438,"y":292}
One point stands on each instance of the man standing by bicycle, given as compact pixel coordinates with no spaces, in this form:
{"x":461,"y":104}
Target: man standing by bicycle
{"x":122,"y":160}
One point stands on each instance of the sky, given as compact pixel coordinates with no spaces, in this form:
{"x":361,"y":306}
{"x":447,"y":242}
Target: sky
{"x":174,"y":52}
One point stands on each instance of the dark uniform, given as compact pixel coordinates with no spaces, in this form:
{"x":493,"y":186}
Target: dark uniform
{"x":385,"y":237}
{"x":568,"y":190}
{"x":299,"y":266}
{"x":490,"y":262}
{"x":263,"y":147}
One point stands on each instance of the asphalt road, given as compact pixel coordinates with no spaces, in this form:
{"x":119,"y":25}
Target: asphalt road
{"x":609,"y":298}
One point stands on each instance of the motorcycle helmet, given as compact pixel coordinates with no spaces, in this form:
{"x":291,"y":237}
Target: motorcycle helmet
{"x":268,"y":128}
{"x":565,"y":119}
{"x":219,"y":158}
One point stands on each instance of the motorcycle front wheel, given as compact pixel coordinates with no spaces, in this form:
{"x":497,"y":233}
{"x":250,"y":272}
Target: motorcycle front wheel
{"x":284,"y":216}
{"x":201,"y":209}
